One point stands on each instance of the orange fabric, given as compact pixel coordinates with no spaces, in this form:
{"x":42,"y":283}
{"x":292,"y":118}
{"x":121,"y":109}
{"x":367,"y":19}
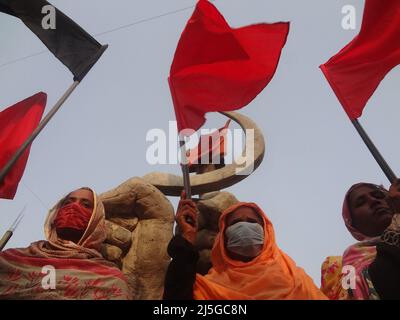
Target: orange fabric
{"x":271,"y":275}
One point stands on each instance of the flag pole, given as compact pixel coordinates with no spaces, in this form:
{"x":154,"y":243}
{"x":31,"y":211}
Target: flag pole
{"x":185,"y":167}
{"x":6,"y":169}
{"x":185,"y":172}
{"x":8,"y":234}
{"x":374,"y":151}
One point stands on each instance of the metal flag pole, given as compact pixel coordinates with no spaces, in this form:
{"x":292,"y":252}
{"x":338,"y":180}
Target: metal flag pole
{"x":8,"y":234}
{"x":6,"y":169}
{"x":375,"y":152}
{"x":185,"y":172}
{"x":185,"y":167}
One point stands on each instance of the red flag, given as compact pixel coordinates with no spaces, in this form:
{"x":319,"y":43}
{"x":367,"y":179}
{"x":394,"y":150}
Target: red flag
{"x":356,"y":71}
{"x":216,"y":147}
{"x":16,"y":124}
{"x":218,"y":68}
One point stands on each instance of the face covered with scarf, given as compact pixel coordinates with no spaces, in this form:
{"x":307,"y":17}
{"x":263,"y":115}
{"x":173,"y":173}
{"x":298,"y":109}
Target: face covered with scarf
{"x":244,"y":234}
{"x":260,"y":270}
{"x":367,"y":211}
{"x":75,"y":230}
{"x":73,"y":215}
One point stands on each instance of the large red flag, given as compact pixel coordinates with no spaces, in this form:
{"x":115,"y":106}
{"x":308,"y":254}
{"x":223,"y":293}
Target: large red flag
{"x":218,"y":68}
{"x":356,"y":71}
{"x":16,"y":124}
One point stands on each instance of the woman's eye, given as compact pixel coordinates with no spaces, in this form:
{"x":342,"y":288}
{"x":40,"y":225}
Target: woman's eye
{"x":360,"y":201}
{"x":86,"y":204}
{"x":379,"y":195}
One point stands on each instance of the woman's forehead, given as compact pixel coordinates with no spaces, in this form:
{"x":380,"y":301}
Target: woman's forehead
{"x":244,"y":211}
{"x":81,"y":194}
{"x":365,"y":188}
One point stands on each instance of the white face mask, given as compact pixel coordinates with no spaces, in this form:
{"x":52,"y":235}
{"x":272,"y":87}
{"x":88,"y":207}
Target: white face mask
{"x":245,"y":238}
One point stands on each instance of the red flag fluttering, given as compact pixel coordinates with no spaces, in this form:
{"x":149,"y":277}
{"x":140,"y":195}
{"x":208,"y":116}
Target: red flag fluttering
{"x":219,"y":68}
{"x":356,"y":71}
{"x":16,"y":125}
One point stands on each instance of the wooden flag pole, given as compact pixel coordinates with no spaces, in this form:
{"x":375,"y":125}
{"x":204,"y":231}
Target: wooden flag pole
{"x":375,"y":152}
{"x":6,"y":169}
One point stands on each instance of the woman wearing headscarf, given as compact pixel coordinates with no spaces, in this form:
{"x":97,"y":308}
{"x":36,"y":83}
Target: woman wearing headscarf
{"x":69,"y":264}
{"x":246,"y":262}
{"x":370,"y":268}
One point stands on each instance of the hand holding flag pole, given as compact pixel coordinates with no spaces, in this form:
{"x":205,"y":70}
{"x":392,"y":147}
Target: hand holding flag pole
{"x":9,"y":233}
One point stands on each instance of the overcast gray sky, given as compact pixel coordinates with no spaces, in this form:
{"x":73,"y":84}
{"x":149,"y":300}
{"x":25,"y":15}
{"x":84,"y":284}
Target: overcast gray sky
{"x":98,"y":139}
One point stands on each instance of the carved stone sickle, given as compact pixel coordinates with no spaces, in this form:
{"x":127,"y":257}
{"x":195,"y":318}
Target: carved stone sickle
{"x":172,"y":185}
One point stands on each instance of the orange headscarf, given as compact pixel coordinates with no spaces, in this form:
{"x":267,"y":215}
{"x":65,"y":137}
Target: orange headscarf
{"x":270,"y":275}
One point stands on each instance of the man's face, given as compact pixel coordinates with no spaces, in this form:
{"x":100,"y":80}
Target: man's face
{"x":370,"y":211}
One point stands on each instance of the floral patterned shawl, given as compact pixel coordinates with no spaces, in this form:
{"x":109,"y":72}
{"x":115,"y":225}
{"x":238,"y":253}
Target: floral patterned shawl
{"x":60,"y":269}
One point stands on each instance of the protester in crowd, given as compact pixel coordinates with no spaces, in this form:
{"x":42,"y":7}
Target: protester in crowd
{"x":69,"y":264}
{"x":246,"y":261}
{"x":369,"y":269}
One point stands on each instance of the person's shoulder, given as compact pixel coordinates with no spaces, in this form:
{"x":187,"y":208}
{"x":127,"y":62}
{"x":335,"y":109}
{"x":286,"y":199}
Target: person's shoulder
{"x":15,"y":251}
{"x":332,"y":261}
{"x":331,"y":275}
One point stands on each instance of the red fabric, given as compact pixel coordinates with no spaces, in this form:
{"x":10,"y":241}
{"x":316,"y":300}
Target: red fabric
{"x":218,"y":68}
{"x":14,"y":255}
{"x":216,"y":143}
{"x":74,"y":216}
{"x":356,"y":71}
{"x":16,"y":124}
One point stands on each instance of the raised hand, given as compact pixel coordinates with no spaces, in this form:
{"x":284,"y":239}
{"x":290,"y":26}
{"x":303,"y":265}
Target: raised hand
{"x":186,"y":218}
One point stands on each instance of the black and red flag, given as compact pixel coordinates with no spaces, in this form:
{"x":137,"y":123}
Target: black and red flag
{"x":72,"y":45}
